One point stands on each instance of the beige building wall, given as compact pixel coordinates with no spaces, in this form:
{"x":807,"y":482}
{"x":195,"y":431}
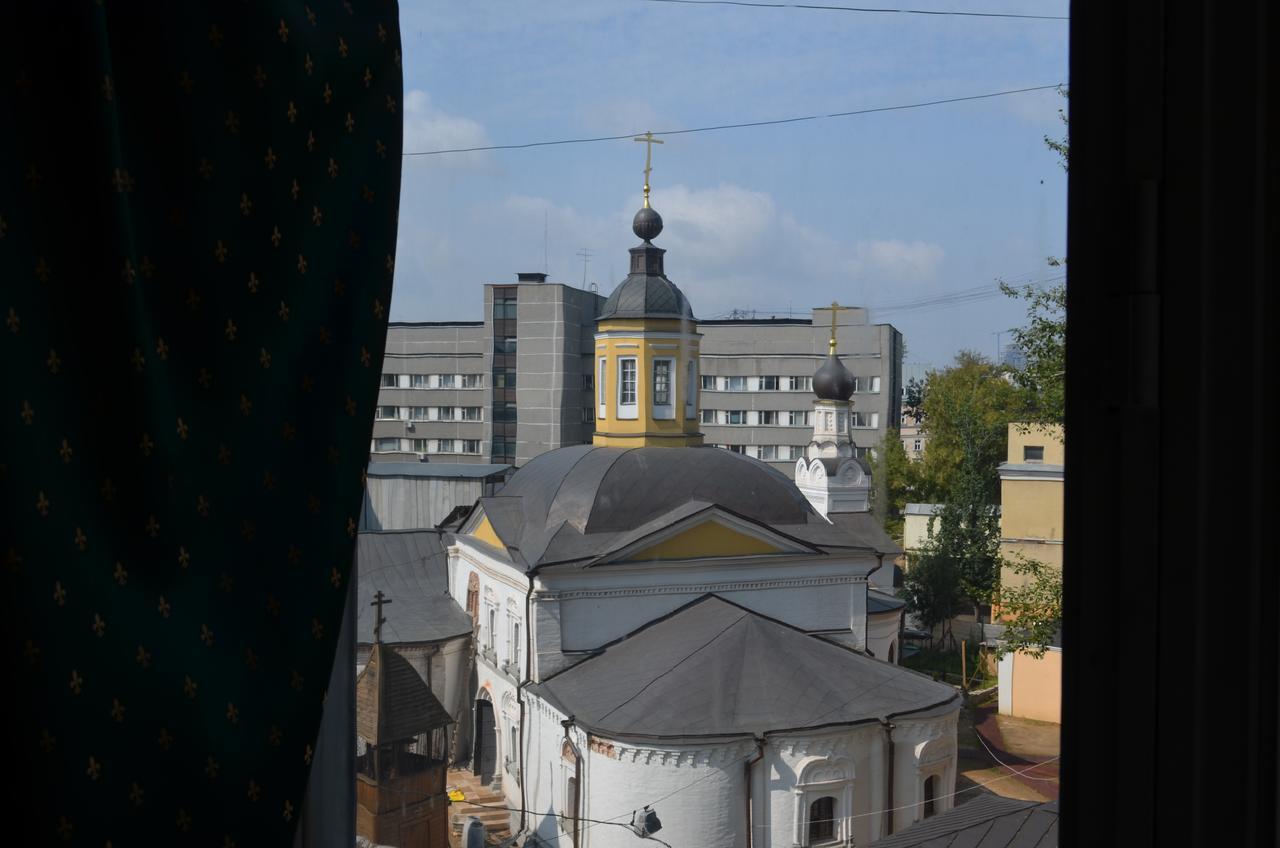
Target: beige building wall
{"x":1031,"y":497}
{"x":1031,"y":687}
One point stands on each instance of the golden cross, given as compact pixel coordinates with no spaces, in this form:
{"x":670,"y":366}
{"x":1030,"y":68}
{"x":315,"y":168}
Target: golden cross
{"x":650,"y":141}
{"x":834,"y":307}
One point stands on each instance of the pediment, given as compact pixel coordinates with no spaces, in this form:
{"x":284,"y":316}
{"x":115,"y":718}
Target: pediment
{"x":711,"y":534}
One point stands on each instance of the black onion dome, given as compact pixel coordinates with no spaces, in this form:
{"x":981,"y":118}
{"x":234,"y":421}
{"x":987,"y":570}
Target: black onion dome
{"x":833,"y":381}
{"x":647,"y":223}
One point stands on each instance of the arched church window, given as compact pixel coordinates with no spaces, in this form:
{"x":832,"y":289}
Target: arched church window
{"x":822,"y":820}
{"x":930,"y":790}
{"x":473,"y":597}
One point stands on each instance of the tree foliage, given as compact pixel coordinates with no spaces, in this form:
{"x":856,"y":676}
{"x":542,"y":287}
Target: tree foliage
{"x":968,"y":408}
{"x":913,"y":400}
{"x":1043,"y":342}
{"x":1061,"y":146}
{"x":1031,"y":612}
{"x":895,"y":478}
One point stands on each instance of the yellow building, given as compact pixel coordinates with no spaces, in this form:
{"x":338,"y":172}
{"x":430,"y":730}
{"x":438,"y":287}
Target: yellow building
{"x":1031,"y":518}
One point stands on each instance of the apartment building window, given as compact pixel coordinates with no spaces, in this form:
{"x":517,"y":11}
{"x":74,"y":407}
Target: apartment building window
{"x":768,"y":451}
{"x":800,"y":384}
{"x":857,"y":384}
{"x":1033,"y":453}
{"x":735,"y":384}
{"x":445,"y":446}
{"x":588,"y":382}
{"x":588,"y":415}
{"x":916,"y":446}
{"x":735,"y":416}
{"x":386,"y":445}
{"x":662,"y":388}
{"x":767,"y":417}
{"x":769,"y":384}
{"x":504,"y":378}
{"x":504,"y":302}
{"x":708,"y":416}
{"x":503,"y":412}
{"x":504,"y":344}
{"x":504,"y":450}
{"x":863,"y":453}
{"x":864,"y":419}
{"x":708,"y":383}
{"x":471,"y":446}
{"x":800,"y":418}
{"x":627,"y":405}
{"x":795,"y":452}
{"x":874,"y":384}
{"x":470,"y":413}
{"x":389,"y":381}
{"x":387,"y":413}
{"x":690,"y":392}
{"x":444,"y":413}
{"x":419,"y":381}
{"x":472,"y":381}
{"x":420,"y":446}
{"x":448,"y":381}
{"x":417,"y":413}
{"x":736,"y":448}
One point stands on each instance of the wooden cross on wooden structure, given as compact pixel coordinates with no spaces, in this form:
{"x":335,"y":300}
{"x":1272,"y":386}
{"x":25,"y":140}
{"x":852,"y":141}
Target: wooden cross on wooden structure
{"x":379,"y":600}
{"x":650,"y":141}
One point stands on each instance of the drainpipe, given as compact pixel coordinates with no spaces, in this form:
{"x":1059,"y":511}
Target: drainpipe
{"x":528,"y":663}
{"x":888,"y":803}
{"x":747,"y":767}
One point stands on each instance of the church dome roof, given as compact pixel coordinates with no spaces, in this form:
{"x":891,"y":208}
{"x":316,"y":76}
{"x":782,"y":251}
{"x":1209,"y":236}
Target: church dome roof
{"x":642,"y":296}
{"x":576,"y":503}
{"x":832,"y":381}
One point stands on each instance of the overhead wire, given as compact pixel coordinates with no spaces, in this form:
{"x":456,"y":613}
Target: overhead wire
{"x":743,"y":125}
{"x":866,"y":9}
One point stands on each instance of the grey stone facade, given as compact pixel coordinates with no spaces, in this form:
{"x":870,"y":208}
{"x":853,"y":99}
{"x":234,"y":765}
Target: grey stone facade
{"x":543,"y":342}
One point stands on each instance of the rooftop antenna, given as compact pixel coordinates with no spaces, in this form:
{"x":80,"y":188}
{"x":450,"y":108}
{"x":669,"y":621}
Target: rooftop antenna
{"x":586,"y":255}
{"x":544,"y":241}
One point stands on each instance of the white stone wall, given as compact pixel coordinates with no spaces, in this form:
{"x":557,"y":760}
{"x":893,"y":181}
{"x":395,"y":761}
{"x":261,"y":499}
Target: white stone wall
{"x":882,"y":631}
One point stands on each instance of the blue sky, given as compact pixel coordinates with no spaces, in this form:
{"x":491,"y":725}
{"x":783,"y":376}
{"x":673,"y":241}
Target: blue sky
{"x":870,"y":210}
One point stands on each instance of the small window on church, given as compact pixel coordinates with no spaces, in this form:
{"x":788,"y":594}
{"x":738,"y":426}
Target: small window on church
{"x":601,"y":398}
{"x":1033,"y":453}
{"x":930,"y":791}
{"x":822,"y":820}
{"x":663,"y":390}
{"x":627,"y":399}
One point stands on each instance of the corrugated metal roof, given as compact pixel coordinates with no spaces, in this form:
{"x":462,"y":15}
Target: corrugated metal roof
{"x":392,"y":700}
{"x":410,"y":568}
{"x":435,"y":469}
{"x":713,"y":668}
{"x":986,"y":822}
{"x":922,"y":509}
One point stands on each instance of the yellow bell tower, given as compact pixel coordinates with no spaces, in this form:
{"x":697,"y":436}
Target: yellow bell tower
{"x":646,"y":371}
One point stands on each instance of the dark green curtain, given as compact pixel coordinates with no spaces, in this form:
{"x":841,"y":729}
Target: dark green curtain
{"x":197,"y":237}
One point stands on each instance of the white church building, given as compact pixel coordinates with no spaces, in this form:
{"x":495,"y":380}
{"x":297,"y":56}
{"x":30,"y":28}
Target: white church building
{"x":681,"y":627}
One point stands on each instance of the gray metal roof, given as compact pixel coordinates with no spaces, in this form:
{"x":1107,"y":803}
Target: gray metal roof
{"x":410,"y":568}
{"x":986,"y":822}
{"x":866,"y":528}
{"x":435,"y":469}
{"x":713,"y":668}
{"x":578,"y":503}
{"x":878,"y":602}
{"x":922,"y":509}
{"x":646,"y":297}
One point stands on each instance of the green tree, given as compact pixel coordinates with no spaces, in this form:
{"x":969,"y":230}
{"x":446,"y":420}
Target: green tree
{"x":1031,"y":612}
{"x":1061,"y":146}
{"x":895,"y":479}
{"x":1043,"y":343}
{"x":968,"y":408}
{"x":931,"y":588}
{"x":913,"y":399}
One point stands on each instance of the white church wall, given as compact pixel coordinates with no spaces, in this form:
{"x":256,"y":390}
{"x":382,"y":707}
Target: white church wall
{"x":592,"y":610}
{"x":847,"y":764}
{"x":882,"y":632}
{"x":923,"y":748}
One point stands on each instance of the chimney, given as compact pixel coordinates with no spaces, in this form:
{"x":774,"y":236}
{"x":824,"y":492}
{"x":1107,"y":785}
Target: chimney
{"x":531,"y":277}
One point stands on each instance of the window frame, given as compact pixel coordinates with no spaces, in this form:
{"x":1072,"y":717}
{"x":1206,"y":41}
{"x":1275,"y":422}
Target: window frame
{"x":602,"y":399}
{"x":691,"y":389}
{"x":628,"y":411}
{"x":663,"y":411}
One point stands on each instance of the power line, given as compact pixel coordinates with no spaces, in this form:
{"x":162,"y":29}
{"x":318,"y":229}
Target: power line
{"x":744,"y":125}
{"x":814,"y":7}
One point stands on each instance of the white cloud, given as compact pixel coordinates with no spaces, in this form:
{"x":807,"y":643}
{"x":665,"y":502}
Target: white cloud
{"x":429,"y":128}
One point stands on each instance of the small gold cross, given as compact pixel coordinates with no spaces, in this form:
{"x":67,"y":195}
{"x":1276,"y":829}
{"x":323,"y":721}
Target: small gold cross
{"x":42,"y":504}
{"x":206,"y":635}
{"x":220,"y":251}
{"x":77,"y":682}
{"x":264,"y":358}
{"x":308,"y":65}
{"x":270,"y":159}
{"x":350,"y":123}
{"x":143,"y":658}
{"x":342,"y":47}
{"x":283,"y":311}
{"x":162,"y":349}
{"x":120,"y":574}
{"x":259,"y":76}
{"x":117,"y":710}
{"x":246,"y":205}
{"x":164,"y":607}
{"x":59,"y":594}
{"x":328,"y":94}
{"x":283,"y":31}
{"x":189,"y":687}
{"x":27,"y":412}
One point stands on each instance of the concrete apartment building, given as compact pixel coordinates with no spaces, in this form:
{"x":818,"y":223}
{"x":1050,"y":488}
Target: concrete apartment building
{"x":520,"y":382}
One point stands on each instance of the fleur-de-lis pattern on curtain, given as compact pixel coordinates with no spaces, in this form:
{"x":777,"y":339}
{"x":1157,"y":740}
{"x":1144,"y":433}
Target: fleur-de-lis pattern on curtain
{"x":197,"y":237}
